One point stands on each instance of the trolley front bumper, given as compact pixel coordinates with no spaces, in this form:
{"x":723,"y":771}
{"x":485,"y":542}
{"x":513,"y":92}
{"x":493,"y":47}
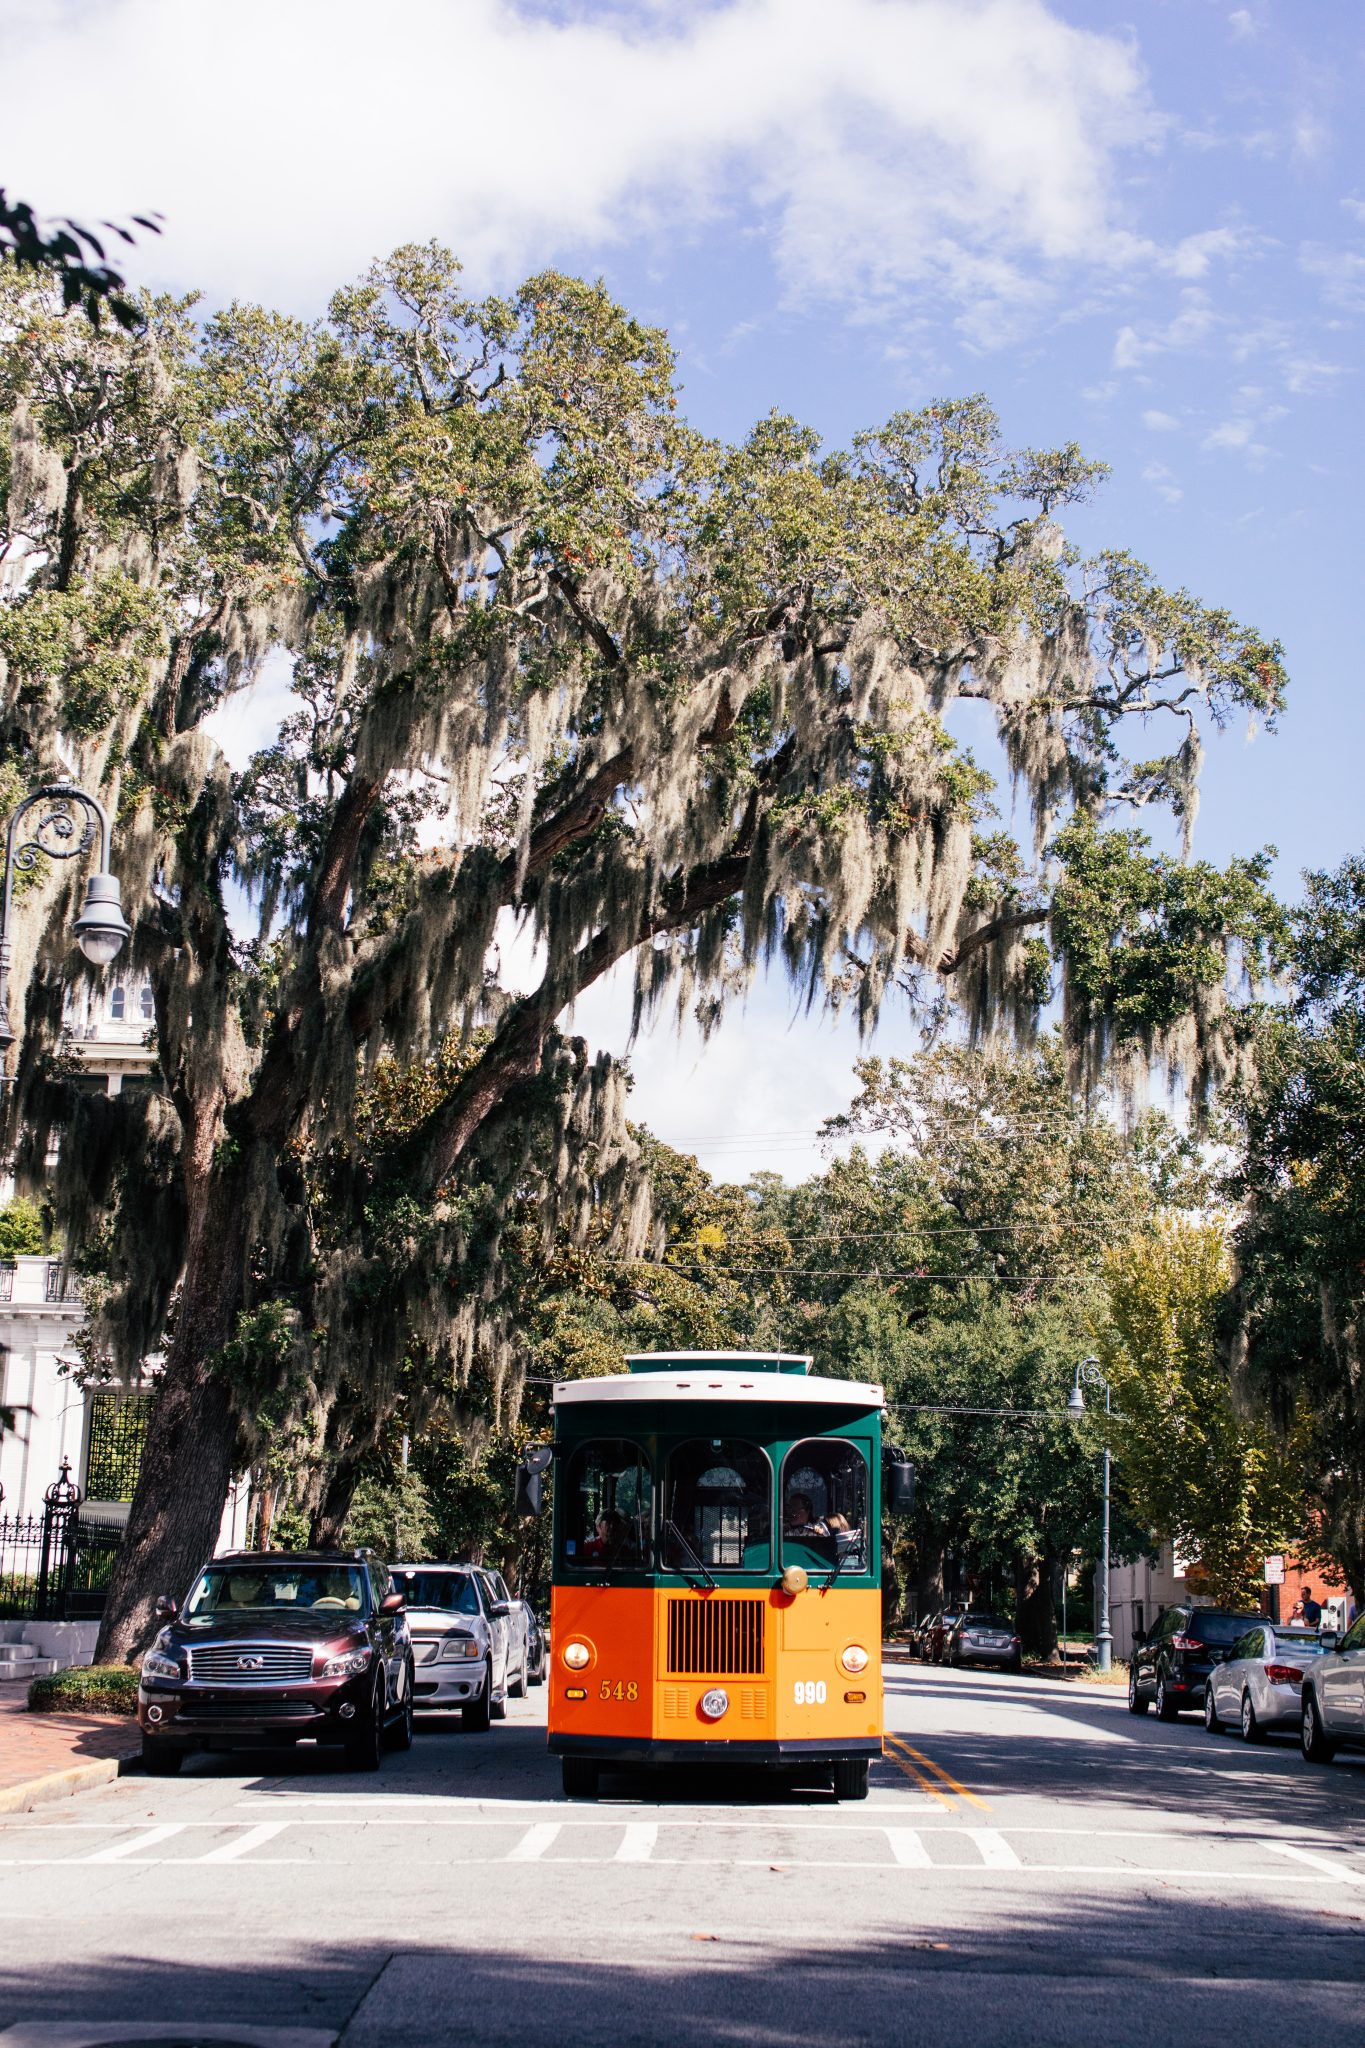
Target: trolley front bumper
{"x":714,"y":1749}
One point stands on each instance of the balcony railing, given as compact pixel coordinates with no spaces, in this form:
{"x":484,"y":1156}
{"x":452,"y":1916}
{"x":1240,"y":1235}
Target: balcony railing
{"x":62,"y":1284}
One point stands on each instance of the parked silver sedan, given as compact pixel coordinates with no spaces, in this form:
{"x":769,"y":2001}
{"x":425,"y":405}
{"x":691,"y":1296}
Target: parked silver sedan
{"x":1259,"y":1686}
{"x":460,"y":1640}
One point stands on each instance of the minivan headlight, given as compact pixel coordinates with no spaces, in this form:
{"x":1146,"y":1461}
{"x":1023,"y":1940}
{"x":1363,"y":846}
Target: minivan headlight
{"x":156,"y":1665}
{"x":343,"y":1667}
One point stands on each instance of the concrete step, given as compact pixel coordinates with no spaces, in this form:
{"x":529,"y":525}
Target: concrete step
{"x":21,"y":1660}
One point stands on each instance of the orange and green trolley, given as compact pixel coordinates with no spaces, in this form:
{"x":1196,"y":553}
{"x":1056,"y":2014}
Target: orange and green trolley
{"x":717,"y":1568}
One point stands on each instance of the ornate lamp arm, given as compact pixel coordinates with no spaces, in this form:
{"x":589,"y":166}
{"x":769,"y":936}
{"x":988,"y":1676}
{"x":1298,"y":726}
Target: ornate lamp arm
{"x":69,"y":820}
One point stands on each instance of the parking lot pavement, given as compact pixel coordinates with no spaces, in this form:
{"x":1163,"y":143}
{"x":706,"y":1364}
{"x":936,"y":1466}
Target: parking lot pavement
{"x":1031,"y":1864}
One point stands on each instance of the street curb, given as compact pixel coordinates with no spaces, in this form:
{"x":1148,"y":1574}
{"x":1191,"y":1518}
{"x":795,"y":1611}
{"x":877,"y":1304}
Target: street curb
{"x":62,"y":1784}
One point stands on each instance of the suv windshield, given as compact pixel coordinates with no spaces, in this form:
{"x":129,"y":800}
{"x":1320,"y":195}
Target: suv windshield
{"x":1219,"y":1630}
{"x":455,"y":1592}
{"x":277,"y":1589}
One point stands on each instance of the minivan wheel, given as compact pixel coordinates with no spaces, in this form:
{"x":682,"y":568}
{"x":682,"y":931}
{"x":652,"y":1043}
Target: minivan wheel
{"x":365,"y":1747}
{"x":1251,"y":1727}
{"x":161,"y":1759}
{"x":1136,"y":1703}
{"x":1317,"y":1745}
{"x":522,"y":1686}
{"x":475,"y":1716}
{"x":1166,"y":1708}
{"x":1211,"y":1721}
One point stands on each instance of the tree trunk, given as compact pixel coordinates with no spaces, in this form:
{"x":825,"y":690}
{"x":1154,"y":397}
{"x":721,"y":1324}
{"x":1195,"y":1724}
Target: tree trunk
{"x":329,"y":1518}
{"x":1035,"y":1605}
{"x":192,"y":1437}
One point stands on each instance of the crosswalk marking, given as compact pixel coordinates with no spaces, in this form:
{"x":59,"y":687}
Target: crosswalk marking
{"x":252,"y":1838}
{"x":146,"y":1838}
{"x":908,"y":1849}
{"x":534,"y":1842}
{"x":1330,"y":1864}
{"x":637,"y":1844}
{"x":995,"y":1851}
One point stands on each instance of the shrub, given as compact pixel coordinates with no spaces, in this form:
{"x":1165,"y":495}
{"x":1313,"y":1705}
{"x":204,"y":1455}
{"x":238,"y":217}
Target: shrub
{"x":85,"y":1689}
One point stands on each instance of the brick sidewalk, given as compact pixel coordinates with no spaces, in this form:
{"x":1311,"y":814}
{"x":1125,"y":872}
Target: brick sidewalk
{"x":79,"y":1748}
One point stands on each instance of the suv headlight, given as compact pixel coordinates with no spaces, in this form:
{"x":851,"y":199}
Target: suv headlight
{"x":157,"y":1665}
{"x":344,"y":1667}
{"x":458,"y":1646}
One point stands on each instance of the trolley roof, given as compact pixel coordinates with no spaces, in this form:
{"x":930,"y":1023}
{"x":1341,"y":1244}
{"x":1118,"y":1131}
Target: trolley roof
{"x":703,"y":1382}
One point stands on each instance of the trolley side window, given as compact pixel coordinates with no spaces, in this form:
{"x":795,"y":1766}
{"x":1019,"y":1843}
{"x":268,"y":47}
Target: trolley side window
{"x":824,"y":1504}
{"x":608,"y":1505}
{"x":717,"y":1507}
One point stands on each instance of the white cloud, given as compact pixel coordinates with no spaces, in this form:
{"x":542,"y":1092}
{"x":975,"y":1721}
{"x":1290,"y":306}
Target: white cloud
{"x":1160,"y":422}
{"x":1241,"y":23}
{"x":1308,"y":377}
{"x":1340,"y":274}
{"x":1192,"y":256}
{"x":1191,"y":326}
{"x":950,"y":144}
{"x":1163,"y":482}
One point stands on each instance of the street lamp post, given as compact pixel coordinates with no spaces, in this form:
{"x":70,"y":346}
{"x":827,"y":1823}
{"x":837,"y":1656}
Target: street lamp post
{"x":1089,"y":1373}
{"x":68,"y":821}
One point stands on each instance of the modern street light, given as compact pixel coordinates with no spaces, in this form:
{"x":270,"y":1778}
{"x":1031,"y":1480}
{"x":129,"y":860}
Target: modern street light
{"x":1089,"y":1373}
{"x":64,"y":830}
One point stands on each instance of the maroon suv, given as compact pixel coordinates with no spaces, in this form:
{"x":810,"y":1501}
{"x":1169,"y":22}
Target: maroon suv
{"x":279,"y":1647}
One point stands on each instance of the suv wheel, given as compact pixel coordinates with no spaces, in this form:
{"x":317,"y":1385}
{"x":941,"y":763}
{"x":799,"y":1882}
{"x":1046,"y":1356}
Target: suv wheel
{"x":1136,"y":1703}
{"x":1317,"y":1745}
{"x":1166,"y":1708}
{"x":160,"y":1759}
{"x":580,"y":1777}
{"x":475,"y":1716}
{"x":1211,"y":1721}
{"x":365,"y":1744}
{"x":400,"y":1733}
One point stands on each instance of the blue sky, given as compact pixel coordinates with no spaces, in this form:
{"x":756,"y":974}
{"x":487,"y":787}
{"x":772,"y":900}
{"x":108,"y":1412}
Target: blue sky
{"x":1143,"y":227}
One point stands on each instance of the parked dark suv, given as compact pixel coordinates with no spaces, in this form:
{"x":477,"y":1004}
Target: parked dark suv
{"x":274,"y":1647}
{"x":1169,"y":1666}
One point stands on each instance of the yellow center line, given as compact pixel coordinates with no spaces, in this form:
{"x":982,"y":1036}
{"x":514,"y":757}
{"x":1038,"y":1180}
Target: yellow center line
{"x":939,"y":1772}
{"x":919,"y":1780}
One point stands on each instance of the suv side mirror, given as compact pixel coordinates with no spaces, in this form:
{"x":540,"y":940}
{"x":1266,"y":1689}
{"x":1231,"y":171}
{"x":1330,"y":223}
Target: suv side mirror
{"x":530,"y":1486}
{"x":500,"y":1609}
{"x":167,"y":1608}
{"x":899,"y":1475}
{"x":392,"y":1603}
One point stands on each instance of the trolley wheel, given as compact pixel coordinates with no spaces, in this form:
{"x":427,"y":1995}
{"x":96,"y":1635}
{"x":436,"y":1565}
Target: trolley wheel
{"x":850,"y":1778}
{"x":580,"y":1777}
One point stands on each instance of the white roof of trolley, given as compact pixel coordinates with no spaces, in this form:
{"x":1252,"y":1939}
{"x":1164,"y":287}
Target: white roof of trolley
{"x":692,"y":1381}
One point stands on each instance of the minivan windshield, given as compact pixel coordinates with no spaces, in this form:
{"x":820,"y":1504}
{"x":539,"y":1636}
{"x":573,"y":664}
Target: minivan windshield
{"x":277,"y":1589}
{"x":453,"y":1592}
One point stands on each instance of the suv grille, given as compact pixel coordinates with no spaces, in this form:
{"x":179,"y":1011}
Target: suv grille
{"x":716,"y":1636}
{"x":251,"y":1663}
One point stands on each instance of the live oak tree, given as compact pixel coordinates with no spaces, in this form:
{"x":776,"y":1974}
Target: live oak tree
{"x":558,"y":658}
{"x":1294,"y":1321}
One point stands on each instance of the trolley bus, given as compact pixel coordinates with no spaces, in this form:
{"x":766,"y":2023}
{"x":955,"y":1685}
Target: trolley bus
{"x":716,"y":1567}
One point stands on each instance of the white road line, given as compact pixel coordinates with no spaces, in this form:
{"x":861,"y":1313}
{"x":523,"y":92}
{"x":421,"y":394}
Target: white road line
{"x":251,"y":1838}
{"x":534,"y":1843}
{"x":1334,"y":1869}
{"x":996,"y":1853}
{"x":637,"y":1845}
{"x":146,"y":1838}
{"x":908,"y":1849}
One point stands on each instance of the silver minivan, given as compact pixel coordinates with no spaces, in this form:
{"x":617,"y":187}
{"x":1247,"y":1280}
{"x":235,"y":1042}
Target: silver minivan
{"x":461,"y":1638}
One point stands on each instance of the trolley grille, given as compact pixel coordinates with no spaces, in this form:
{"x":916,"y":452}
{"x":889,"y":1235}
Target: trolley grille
{"x":720,"y":1637}
{"x":251,"y":1663}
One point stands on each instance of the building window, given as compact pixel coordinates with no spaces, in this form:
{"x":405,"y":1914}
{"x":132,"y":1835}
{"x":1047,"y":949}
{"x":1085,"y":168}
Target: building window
{"x":117,"y":1003}
{"x":148,"y":1007}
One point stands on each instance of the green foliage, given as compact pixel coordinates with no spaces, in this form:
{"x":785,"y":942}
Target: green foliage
{"x":396,"y":1517}
{"x":21,"y":1228}
{"x":63,"y":252}
{"x":85,"y":1689}
{"x":1299,"y":1177}
{"x":1198,"y":1466}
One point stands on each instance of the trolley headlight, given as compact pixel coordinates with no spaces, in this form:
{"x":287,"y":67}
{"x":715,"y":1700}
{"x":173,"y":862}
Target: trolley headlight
{"x":576,"y":1655}
{"x":854,"y":1659}
{"x":715,"y":1703}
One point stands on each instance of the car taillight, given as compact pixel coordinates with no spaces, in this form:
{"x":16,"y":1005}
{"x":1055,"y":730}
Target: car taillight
{"x":1187,"y":1643}
{"x":1283,"y":1674}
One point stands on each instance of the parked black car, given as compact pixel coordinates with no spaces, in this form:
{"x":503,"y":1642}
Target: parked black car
{"x":273,"y":1647}
{"x":1170,"y":1664}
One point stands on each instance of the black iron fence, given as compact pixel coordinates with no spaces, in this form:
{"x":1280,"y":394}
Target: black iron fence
{"x":57,"y":1566}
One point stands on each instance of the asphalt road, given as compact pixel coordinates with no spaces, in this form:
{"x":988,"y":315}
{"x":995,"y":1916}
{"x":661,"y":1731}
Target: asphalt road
{"x":1032,"y":1865}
